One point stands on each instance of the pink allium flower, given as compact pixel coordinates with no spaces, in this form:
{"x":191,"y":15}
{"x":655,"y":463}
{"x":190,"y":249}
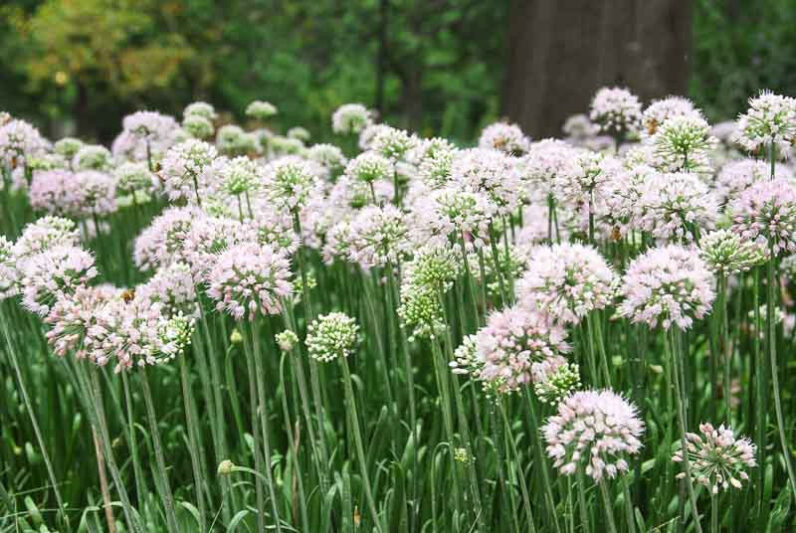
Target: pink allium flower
{"x":209,"y":237}
{"x":392,"y":143}
{"x":667,"y":286}
{"x":771,"y":118}
{"x":545,"y":162}
{"x":339,"y":242}
{"x":766,"y":212}
{"x":578,"y":128}
{"x":52,"y":274}
{"x":737,"y":176}
{"x":18,"y":141}
{"x":52,"y":191}
{"x":593,"y":430}
{"x":585,"y":177}
{"x":452,"y":214}
{"x":248,"y":279}
{"x":44,"y":234}
{"x":515,"y":345}
{"x":616,"y":110}
{"x":489,"y":172}
{"x":507,"y":138}
{"x":672,"y":207}
{"x":273,"y":227}
{"x":135,"y":176}
{"x":566,"y":281}
{"x":289,"y":182}
{"x":9,"y":275}
{"x":369,"y":167}
{"x":618,"y":205}
{"x":717,"y":459}
{"x":73,"y":316}
{"x":185,"y":167}
{"x":381,"y":236}
{"x":164,"y":240}
{"x":95,"y":193}
{"x":659,"y":111}
{"x":173,"y":287}
{"x":149,"y":125}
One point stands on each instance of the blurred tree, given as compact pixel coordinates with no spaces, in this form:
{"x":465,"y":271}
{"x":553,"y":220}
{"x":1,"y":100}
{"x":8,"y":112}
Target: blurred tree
{"x":561,"y":52}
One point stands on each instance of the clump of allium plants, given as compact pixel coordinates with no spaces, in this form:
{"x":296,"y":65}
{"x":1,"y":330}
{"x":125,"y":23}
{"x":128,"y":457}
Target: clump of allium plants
{"x":215,"y":326}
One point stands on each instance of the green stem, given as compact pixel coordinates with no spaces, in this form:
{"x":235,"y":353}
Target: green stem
{"x":609,"y":512}
{"x":193,"y":448}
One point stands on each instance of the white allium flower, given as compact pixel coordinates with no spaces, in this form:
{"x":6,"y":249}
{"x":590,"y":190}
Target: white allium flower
{"x":289,"y":182}
{"x":184,"y":168}
{"x":771,"y":118}
{"x":92,"y":157}
{"x":261,"y":110}
{"x":331,"y":337}
{"x":683,"y":143}
{"x":453,"y":213}
{"x":737,"y":176}
{"x":616,"y":110}
{"x":329,"y":156}
{"x":726,"y":253}
{"x":579,"y":128}
{"x":18,"y":141}
{"x":43,"y":234}
{"x":67,"y":147}
{"x":581,"y":181}
{"x":297,"y":132}
{"x":239,"y":175}
{"x":350,"y":119}
{"x":52,"y":274}
{"x":489,"y":172}
{"x":547,"y":161}
{"x":134,"y":176}
{"x":507,"y":138}
{"x":200,"y":109}
{"x":9,"y":275}
{"x":370,"y":167}
{"x":766,"y":212}
{"x":381,"y":236}
{"x":659,"y":111}
{"x":232,"y":140}
{"x":392,"y":142}
{"x":198,"y":126}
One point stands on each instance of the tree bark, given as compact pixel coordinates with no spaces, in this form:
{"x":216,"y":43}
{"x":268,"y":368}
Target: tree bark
{"x":562,"y":51}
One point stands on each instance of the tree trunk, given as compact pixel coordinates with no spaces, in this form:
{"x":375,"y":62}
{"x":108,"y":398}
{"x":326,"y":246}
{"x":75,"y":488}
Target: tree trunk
{"x":562,"y":51}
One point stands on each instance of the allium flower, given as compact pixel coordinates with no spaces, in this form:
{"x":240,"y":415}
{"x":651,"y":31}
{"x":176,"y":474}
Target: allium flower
{"x":727,"y":254}
{"x":452,"y":213}
{"x":616,"y":110}
{"x":737,"y":176}
{"x":331,"y":337}
{"x":546,"y":161}
{"x":239,"y":175}
{"x":490,"y":172}
{"x":185,"y":166}
{"x":289,"y":182}
{"x":556,"y":382}
{"x":96,"y":193}
{"x":579,"y":128}
{"x":674,"y":207}
{"x":667,"y":286}
{"x":198,"y":126}
{"x":683,"y":143}
{"x":18,"y":141}
{"x":369,"y":167}
{"x":9,"y":275}
{"x":133,"y":177}
{"x":249,"y":279}
{"x":433,"y":267}
{"x":297,"y":132}
{"x":280,"y":146}
{"x":92,"y":157}
{"x":392,"y":143}
{"x":173,"y":287}
{"x":580,"y":182}
{"x":717,"y":459}
{"x":53,"y":191}
{"x":260,"y":110}
{"x":350,"y":119}
{"x":327,"y":155}
{"x":380,"y":235}
{"x":200,"y":109}
{"x":164,"y":240}
{"x":43,"y":234}
{"x":420,"y":311}
{"x":513,"y":346}
{"x":433,"y":159}
{"x":67,"y":147}
{"x":725,"y":131}
{"x":566,"y":281}
{"x":231,"y":140}
{"x":507,"y":138}
{"x":73,"y":317}
{"x":766,"y":212}
{"x":273,"y":227}
{"x":52,"y":274}
{"x":593,"y":430}
{"x":286,"y":340}
{"x":339,"y":242}
{"x":208,"y":237}
{"x":771,"y":118}
{"x":618,"y":204}
{"x":151,"y":126}
{"x":659,"y":111}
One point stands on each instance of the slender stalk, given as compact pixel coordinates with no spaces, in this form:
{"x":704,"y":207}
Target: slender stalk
{"x":609,"y":512}
{"x":714,"y":512}
{"x":193,"y":448}
{"x":256,"y":434}
{"x":584,"y":513}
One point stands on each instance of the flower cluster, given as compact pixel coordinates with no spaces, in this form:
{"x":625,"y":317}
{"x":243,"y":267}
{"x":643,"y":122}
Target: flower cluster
{"x":616,"y":110}
{"x":331,"y":337}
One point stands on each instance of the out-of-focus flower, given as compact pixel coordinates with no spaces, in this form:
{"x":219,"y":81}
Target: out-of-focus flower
{"x":507,"y":138}
{"x":350,"y":119}
{"x":286,"y":340}
{"x":579,"y":128}
{"x":96,"y":193}
{"x":667,"y":286}
{"x":327,"y":155}
{"x":616,"y":110}
{"x":770,"y":119}
{"x":231,"y":140}
{"x":659,"y":111}
{"x":133,"y":177}
{"x":18,"y":141}
{"x":52,"y":274}
{"x":198,"y":126}
{"x":595,"y":431}
{"x":766,"y":212}
{"x":9,"y":275}
{"x":566,"y":281}
{"x":297,"y":132}
{"x":717,"y":459}
{"x":261,"y":110}
{"x":92,"y":157}
{"x":67,"y":147}
{"x":331,"y":337}
{"x":200,"y":109}
{"x":249,"y":279}
{"x":184,"y":168}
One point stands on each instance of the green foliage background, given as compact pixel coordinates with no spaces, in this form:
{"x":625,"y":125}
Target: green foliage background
{"x":93,"y":61}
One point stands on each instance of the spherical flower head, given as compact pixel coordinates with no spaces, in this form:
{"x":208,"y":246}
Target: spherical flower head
{"x":185,"y":166}
{"x":770,"y":119}
{"x":454,"y":213}
{"x":164,"y":241}
{"x":149,"y":125}
{"x":392,"y":143}
{"x":566,"y":281}
{"x":726,"y":254}
{"x":659,"y":111}
{"x":92,"y":157}
{"x":332,"y":336}
{"x":200,"y":109}
{"x":43,"y":234}
{"x":433,"y":266}
{"x":299,"y":133}
{"x":726,"y":131}
{"x":616,"y":110}
{"x":593,"y":430}
{"x":369,"y":167}
{"x":97,"y":193}
{"x":420,"y":311}
{"x":329,"y":156}
{"x":52,"y":274}
{"x":580,"y":128}
{"x":53,"y":191}
{"x":73,"y":317}
{"x":209,"y":237}
{"x":281,"y":146}
{"x":514,"y":342}
{"x":673,"y":207}
{"x":667,"y":286}
{"x":239,"y":175}
{"x":286,"y":340}
{"x":173,"y":288}
{"x":737,"y":176}
{"x":9,"y":275}
{"x":134,"y":176}
{"x":67,"y":147}
{"x":261,"y":110}
{"x":508,"y":138}
{"x":580,"y":181}
{"x":198,"y":126}
{"x":490,"y":172}
{"x":249,"y":279}
{"x":232,"y":140}
{"x":683,"y":143}
{"x":766,"y":212}
{"x":19,"y":140}
{"x":547,"y":161}
{"x":350,"y":119}
{"x":717,"y":459}
{"x":433,"y":159}
{"x":381,"y":236}
{"x":289,"y":182}
{"x":556,"y":382}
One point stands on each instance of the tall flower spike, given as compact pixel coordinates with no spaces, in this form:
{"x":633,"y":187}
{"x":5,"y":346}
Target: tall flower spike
{"x":593,"y":430}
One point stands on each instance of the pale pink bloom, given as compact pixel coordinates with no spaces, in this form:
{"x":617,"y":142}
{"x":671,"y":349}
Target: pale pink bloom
{"x":491,"y":173}
{"x":173,"y":287}
{"x":766,"y":212}
{"x":209,"y":237}
{"x":9,"y":274}
{"x":737,"y":176}
{"x":595,"y":431}
{"x":667,"y":286}
{"x":381,"y":236}
{"x":659,"y":111}
{"x":73,"y":316}
{"x":164,"y":240}
{"x":54,"y":273}
{"x":770,"y":119}
{"x":185,"y":168}
{"x":53,"y":191}
{"x":18,"y":141}
{"x":43,"y":234}
{"x":290,"y":181}
{"x":507,"y":138}
{"x":616,"y":110}
{"x":545,"y":162}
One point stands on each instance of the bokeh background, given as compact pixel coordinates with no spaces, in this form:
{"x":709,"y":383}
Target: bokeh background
{"x":443,"y":67}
